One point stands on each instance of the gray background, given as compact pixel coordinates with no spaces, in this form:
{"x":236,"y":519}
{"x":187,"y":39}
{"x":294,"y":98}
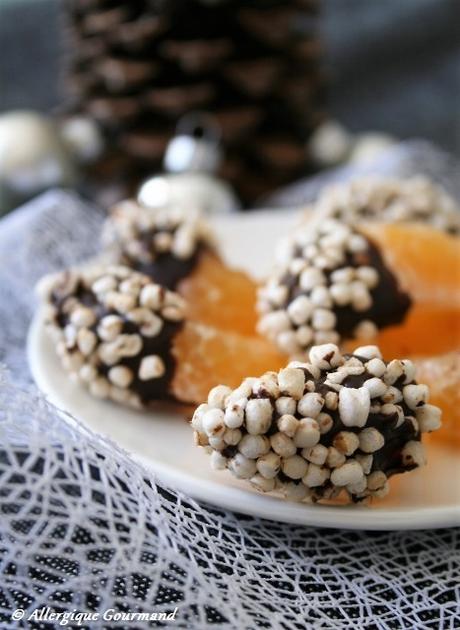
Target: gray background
{"x":393,"y":66}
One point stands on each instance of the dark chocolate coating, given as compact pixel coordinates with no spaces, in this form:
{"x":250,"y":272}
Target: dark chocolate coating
{"x":161,"y":344}
{"x":389,"y":303}
{"x":165,"y":268}
{"x":388,"y":459}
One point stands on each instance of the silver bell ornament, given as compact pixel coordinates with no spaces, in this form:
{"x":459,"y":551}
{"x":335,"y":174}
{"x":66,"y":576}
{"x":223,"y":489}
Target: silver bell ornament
{"x":33,"y":157}
{"x":191,"y":159}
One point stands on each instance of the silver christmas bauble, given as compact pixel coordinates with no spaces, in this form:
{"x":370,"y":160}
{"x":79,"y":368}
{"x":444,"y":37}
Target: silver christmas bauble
{"x":191,"y":159}
{"x":196,"y":145}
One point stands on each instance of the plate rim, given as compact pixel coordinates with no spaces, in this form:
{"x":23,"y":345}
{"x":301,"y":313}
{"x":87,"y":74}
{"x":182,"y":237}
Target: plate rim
{"x":211,"y":492}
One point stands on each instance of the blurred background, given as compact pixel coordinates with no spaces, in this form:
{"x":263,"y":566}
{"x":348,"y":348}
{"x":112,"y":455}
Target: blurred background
{"x":292,"y":87}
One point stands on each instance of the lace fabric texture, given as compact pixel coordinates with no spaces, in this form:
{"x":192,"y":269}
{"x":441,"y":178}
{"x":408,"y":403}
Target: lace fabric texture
{"x":85,"y":528}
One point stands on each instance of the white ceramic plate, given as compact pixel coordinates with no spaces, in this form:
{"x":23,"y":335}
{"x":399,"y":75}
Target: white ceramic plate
{"x":162,"y":440}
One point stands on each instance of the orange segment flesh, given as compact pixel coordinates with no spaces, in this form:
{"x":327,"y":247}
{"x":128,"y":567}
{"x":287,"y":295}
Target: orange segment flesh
{"x":206,"y":357}
{"x":425,"y":261}
{"x":442,"y":375}
{"x":427,"y":329}
{"x":427,"y":265}
{"x":220,"y":296}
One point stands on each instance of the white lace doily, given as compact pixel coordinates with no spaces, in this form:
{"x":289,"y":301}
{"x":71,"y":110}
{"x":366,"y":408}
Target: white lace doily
{"x":84,"y":528}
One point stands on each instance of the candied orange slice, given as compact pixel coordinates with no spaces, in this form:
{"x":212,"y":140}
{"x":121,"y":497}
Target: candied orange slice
{"x":206,"y":356}
{"x":442,"y":375}
{"x":220,"y":296}
{"x":426,"y":261}
{"x":426,"y":330}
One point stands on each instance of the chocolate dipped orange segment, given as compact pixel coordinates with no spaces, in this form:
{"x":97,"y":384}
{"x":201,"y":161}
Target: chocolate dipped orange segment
{"x":330,"y":283}
{"x":175,"y":248}
{"x":163,"y":243}
{"x":128,"y":339}
{"x":390,"y":200}
{"x":113,"y":331}
{"x":337,"y":424}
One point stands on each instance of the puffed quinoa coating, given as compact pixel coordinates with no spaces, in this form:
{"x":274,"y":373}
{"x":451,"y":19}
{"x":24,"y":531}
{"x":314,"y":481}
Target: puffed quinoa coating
{"x":338,"y":434}
{"x":116,"y":334}
{"x":330,"y":283}
{"x":160,"y":242}
{"x":389,"y":199}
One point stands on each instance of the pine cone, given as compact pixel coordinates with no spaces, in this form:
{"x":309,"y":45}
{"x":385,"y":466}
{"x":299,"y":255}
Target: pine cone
{"x":137,"y":66}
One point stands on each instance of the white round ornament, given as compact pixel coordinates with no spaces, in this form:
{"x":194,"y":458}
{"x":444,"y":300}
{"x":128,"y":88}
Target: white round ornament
{"x":195,"y":189}
{"x":370,"y":145}
{"x":83,"y":137}
{"x":330,"y":143}
{"x":33,"y":157}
